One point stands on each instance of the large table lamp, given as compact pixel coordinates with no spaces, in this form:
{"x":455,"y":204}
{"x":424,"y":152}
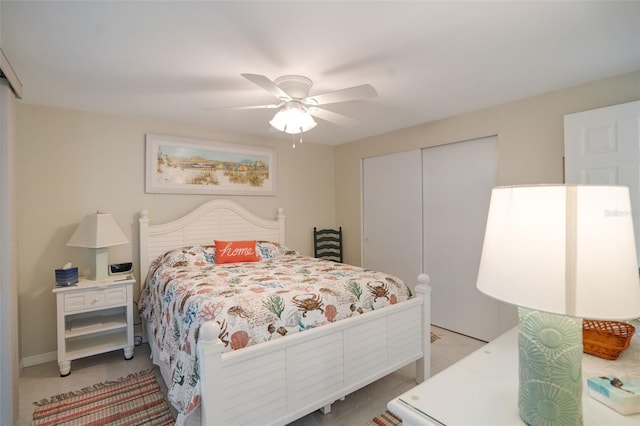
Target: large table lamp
{"x":98,"y":231}
{"x":560,"y":253}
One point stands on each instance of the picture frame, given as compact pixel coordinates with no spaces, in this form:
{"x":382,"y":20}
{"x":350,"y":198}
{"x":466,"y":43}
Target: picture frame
{"x":179,"y":165}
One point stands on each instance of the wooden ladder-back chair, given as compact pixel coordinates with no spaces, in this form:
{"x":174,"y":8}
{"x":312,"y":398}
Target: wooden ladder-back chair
{"x":327,"y":244}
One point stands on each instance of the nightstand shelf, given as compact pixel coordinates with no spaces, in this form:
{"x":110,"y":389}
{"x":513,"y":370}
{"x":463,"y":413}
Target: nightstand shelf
{"x":101,"y":322}
{"x":94,"y":317}
{"x":97,"y":343}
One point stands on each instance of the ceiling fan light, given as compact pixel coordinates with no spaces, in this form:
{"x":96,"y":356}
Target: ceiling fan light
{"x":293,"y":119}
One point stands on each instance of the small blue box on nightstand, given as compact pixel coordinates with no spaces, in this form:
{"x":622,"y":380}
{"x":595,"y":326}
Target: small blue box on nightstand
{"x":66,"y":277}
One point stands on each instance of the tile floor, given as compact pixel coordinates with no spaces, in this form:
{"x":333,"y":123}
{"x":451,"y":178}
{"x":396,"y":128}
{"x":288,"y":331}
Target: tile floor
{"x":43,"y":381}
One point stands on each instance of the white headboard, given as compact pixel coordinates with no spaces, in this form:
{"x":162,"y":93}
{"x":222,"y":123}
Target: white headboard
{"x":216,"y":219}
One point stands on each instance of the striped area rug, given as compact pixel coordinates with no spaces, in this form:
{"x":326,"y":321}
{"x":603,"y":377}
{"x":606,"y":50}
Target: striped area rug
{"x":133,"y":400}
{"x":385,"y":419}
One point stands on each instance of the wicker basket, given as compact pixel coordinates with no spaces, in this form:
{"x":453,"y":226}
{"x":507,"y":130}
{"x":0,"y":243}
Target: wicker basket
{"x":606,"y":339}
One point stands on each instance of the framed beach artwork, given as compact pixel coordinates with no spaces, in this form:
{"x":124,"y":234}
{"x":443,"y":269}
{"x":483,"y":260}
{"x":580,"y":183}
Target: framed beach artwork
{"x":192,"y":166}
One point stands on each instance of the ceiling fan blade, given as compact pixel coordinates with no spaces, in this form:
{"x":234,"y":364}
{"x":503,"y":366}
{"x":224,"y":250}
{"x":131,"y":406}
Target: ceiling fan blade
{"x":271,"y":106}
{"x":332,"y":117}
{"x":343,"y":95}
{"x":268,"y":85}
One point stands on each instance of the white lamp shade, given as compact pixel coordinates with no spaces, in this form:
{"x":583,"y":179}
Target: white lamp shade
{"x":97,"y":230}
{"x":564,"y":249}
{"x":293,"y":119}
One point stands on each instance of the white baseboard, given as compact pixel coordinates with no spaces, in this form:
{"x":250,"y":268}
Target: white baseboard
{"x":39,"y":359}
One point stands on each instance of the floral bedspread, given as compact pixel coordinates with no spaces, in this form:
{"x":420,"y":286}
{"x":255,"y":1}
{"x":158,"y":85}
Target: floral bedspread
{"x":253,"y":302}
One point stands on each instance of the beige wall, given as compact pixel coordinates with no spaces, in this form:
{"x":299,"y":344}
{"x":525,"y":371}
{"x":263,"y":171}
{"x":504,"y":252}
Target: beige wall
{"x":530,"y":143}
{"x":72,"y":163}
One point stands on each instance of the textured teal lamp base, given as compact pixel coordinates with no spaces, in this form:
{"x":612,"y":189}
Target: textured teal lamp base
{"x":550,"y":350}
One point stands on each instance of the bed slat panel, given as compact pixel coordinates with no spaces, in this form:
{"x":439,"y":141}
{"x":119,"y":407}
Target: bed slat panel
{"x":403,"y":344}
{"x":255,"y":388}
{"x":241,"y":373}
{"x":246,"y":231}
{"x":169,"y":241}
{"x":263,"y":414}
{"x":203,"y":231}
{"x":315,"y":370}
{"x":365,"y":350}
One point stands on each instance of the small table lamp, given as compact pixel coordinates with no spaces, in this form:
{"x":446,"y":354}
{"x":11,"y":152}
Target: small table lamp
{"x":98,"y":231}
{"x":560,"y":253}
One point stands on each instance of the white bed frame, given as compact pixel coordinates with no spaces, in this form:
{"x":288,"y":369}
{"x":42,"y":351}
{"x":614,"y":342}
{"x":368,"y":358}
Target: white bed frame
{"x":282,"y":380}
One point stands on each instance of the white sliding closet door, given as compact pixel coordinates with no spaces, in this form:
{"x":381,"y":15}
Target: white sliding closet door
{"x":392,"y":214}
{"x":457,"y":183}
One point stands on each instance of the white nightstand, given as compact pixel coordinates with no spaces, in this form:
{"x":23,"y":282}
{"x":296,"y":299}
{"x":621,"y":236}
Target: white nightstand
{"x":94,"y":317}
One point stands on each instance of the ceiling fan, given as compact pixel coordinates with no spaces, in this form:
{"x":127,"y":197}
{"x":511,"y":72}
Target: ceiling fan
{"x":296,"y":106}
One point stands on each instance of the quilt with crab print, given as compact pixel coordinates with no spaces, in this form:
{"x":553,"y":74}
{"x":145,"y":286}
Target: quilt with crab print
{"x":253,"y":302}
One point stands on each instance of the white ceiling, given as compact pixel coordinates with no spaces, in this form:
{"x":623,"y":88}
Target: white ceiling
{"x":426,"y":59}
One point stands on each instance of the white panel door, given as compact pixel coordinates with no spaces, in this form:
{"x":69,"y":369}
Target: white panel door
{"x":602,"y":147}
{"x":392,"y":214}
{"x":457,"y":184}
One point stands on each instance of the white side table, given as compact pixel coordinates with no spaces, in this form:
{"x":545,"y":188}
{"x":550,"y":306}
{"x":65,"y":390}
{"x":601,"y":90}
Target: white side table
{"x":94,"y":317}
{"x":482,"y":389}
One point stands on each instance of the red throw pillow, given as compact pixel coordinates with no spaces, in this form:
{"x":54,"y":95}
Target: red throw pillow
{"x":236,"y":251}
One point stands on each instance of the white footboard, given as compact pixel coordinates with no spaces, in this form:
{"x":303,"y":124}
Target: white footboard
{"x":282,"y":380}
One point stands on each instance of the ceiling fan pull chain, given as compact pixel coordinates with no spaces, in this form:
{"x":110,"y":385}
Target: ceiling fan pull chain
{"x":293,"y":138}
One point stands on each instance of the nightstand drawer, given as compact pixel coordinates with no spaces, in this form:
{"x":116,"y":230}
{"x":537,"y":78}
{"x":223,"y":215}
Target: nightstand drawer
{"x":94,"y":298}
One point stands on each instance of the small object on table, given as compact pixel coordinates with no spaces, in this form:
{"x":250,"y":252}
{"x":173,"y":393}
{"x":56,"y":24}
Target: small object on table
{"x":620,"y":393}
{"x":606,"y":339}
{"x":66,"y":276}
